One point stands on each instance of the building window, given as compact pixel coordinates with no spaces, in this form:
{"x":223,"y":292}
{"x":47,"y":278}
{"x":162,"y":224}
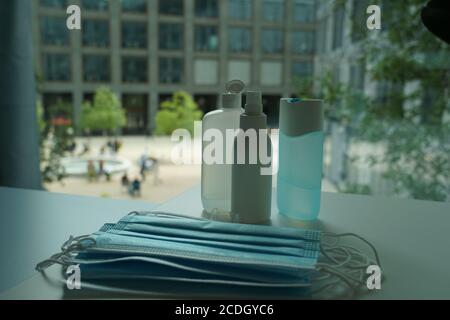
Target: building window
{"x":302,"y":69}
{"x":239,"y":39}
{"x":206,"y":8}
{"x":136,"y":113}
{"x":206,"y":38}
{"x":134,"y":35}
{"x":322,"y":36}
{"x":96,"y":68}
{"x":62,"y":4}
{"x":359,"y":29}
{"x":95,"y":33}
{"x":170,"y":36}
{"x":302,"y":42}
{"x":170,"y":70}
{"x":134,"y":69}
{"x":95,"y":5}
{"x":303,"y":11}
{"x":273,"y":10}
{"x":272,"y":41}
{"x":239,"y":9}
{"x":57,"y":67}
{"x":134,"y":6}
{"x":338,"y":27}
{"x":171,"y":7}
{"x":54,"y":31}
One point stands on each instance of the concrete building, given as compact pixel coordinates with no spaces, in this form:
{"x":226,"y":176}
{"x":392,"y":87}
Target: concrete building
{"x":147,"y":49}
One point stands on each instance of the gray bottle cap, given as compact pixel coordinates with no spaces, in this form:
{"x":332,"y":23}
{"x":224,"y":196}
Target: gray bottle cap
{"x":231,"y":100}
{"x":235,"y":86}
{"x":253,"y":103}
{"x":298,"y":116}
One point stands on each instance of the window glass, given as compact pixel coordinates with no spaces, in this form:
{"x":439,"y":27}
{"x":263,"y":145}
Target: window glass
{"x":96,"y":68}
{"x":95,"y":33}
{"x":134,"y":6}
{"x":171,"y":7}
{"x":240,"y":9}
{"x":273,"y":10}
{"x":303,"y":10}
{"x":62,"y":4}
{"x":134,"y":69}
{"x":170,"y":36}
{"x":95,"y":5}
{"x":302,"y":42}
{"x":206,"y":38}
{"x":134,"y":34}
{"x":54,"y":31}
{"x":170,"y":70}
{"x":57,"y":67}
{"x":206,"y":8}
{"x":240,"y":39}
{"x":272,"y":41}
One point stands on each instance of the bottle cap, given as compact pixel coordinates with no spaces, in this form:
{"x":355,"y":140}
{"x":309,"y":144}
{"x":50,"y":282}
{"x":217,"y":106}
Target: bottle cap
{"x":253,"y":102}
{"x":235,"y":86}
{"x":300,"y":116}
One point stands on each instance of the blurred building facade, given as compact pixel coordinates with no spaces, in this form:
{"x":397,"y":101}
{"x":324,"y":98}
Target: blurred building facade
{"x":147,"y":49}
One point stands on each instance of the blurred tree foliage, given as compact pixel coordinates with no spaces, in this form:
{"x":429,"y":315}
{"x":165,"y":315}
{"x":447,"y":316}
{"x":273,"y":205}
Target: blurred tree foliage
{"x":56,"y":139}
{"x":179,"y":112}
{"x":105,"y":114}
{"x":412,"y":120}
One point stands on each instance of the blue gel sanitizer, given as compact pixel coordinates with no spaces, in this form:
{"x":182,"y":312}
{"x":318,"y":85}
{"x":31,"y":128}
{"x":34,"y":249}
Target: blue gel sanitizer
{"x":300,"y":158}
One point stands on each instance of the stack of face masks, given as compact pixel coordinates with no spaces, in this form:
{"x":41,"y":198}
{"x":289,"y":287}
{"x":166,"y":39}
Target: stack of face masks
{"x":171,"y":255}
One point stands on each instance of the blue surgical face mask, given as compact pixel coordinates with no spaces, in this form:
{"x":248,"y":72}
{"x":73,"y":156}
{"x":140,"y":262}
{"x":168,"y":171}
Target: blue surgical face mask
{"x":185,"y":251}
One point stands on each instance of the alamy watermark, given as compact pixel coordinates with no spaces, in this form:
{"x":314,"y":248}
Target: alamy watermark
{"x":224,"y":147}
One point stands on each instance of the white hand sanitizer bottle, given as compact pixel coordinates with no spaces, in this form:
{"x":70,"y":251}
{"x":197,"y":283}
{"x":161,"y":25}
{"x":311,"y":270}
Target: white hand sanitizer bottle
{"x":216,"y":161}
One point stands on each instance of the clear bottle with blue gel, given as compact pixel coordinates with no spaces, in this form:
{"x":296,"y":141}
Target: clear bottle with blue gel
{"x":300,"y":158}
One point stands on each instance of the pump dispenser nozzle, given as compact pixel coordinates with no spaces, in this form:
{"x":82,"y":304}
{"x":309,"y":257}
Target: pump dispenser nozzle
{"x":254,"y":103}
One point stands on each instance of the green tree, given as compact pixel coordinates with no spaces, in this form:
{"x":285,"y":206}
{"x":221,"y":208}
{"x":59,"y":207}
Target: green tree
{"x":104,"y":114}
{"x":56,"y":139}
{"x":179,"y":112}
{"x":410,"y":123}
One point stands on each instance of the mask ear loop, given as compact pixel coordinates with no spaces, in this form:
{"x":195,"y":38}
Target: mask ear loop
{"x":342,"y":262}
{"x":71,"y":246}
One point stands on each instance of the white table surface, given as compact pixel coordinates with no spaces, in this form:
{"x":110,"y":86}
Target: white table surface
{"x":411,"y":236}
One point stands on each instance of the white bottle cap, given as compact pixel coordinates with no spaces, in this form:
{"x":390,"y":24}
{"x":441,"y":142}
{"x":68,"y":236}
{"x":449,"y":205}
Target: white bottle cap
{"x":235,"y":86}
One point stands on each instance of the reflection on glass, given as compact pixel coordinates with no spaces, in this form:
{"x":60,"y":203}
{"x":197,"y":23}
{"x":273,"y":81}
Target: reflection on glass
{"x":170,"y":70}
{"x":134,"y":34}
{"x":95,"y":33}
{"x":170,"y":36}
{"x":96,"y":68}
{"x":239,"y":39}
{"x":54,"y":31}
{"x":272,"y":41}
{"x":206,"y":38}
{"x":273,"y":10}
{"x":57,"y":67}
